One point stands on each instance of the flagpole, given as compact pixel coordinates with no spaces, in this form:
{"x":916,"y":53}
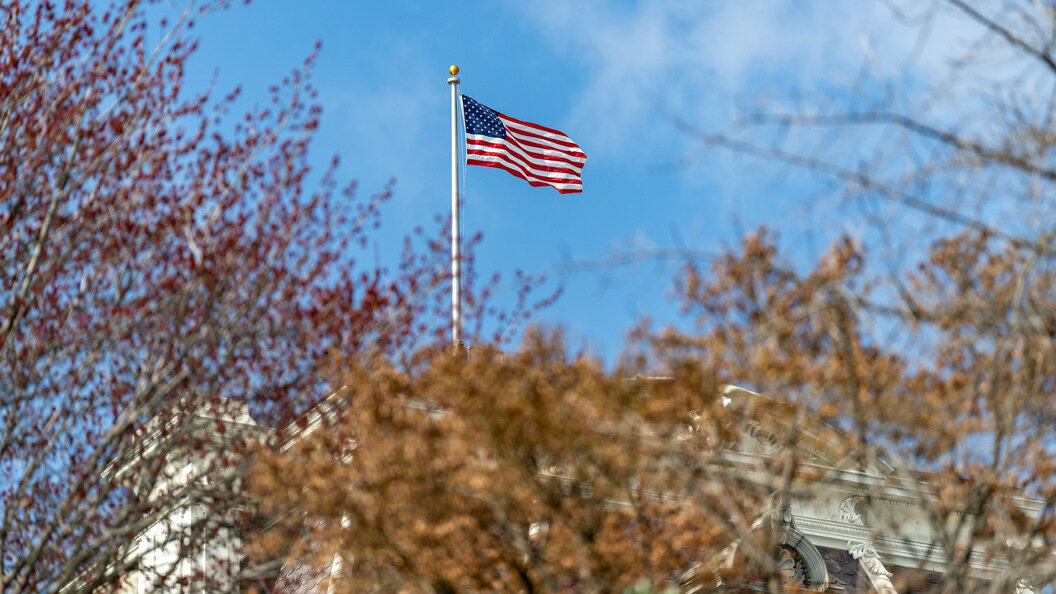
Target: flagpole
{"x":456,"y":272}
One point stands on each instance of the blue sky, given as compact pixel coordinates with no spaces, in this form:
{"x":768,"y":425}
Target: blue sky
{"x":602,"y":72}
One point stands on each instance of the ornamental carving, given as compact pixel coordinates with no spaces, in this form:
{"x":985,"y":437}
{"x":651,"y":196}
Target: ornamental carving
{"x":849,"y":510}
{"x":1023,"y":587}
{"x":867,"y":556}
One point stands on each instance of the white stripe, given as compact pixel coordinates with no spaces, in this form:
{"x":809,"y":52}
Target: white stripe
{"x":561,"y":137}
{"x":571,"y":152}
{"x":499,"y":159}
{"x":575,"y":158}
{"x":525,"y":164}
{"x":529,"y":161}
{"x":519,"y":154}
{"x":520,"y":166}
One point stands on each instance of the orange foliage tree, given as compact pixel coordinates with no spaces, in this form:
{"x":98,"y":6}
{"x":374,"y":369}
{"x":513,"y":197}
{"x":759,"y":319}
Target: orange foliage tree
{"x":543,"y":471}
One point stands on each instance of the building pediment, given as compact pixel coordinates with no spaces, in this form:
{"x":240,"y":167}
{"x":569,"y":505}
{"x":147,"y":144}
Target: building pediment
{"x":863,"y":521}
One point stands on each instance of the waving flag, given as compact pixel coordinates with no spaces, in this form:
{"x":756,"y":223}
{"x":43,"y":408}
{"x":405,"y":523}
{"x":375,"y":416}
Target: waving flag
{"x":542,"y":156}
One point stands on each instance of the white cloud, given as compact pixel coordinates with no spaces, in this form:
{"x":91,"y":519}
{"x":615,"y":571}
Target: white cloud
{"x":700,"y":57}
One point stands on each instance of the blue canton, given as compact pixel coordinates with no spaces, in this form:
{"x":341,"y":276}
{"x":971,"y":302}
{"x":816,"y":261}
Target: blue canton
{"x":481,"y":119}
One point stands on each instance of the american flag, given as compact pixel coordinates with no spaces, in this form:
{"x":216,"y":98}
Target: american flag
{"x":542,"y":156}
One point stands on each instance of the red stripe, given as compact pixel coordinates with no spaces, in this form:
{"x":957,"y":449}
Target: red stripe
{"x":524,"y":144}
{"x":560,"y":157}
{"x":571,"y":154}
{"x":505,"y":147}
{"x":528,"y":165}
{"x":531,"y":125}
{"x":505,"y":150}
{"x":530,"y":181}
{"x":562,"y":144}
{"x":528,"y":168}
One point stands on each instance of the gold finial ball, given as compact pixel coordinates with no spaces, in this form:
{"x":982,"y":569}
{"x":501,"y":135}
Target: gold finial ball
{"x":453,"y":70}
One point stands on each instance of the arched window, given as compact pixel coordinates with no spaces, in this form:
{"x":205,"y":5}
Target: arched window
{"x":802,"y":560}
{"x":798,"y":561}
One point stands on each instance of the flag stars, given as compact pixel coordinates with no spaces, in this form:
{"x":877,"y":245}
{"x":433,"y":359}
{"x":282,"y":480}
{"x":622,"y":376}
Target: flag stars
{"x":482,"y":120}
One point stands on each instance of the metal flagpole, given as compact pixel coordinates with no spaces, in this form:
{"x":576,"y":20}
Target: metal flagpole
{"x":456,"y":272}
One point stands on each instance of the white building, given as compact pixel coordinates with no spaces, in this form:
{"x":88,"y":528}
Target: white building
{"x":194,"y":542}
{"x":857,"y":529}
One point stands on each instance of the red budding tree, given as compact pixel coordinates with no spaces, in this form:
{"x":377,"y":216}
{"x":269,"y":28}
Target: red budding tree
{"x":158,"y":261}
